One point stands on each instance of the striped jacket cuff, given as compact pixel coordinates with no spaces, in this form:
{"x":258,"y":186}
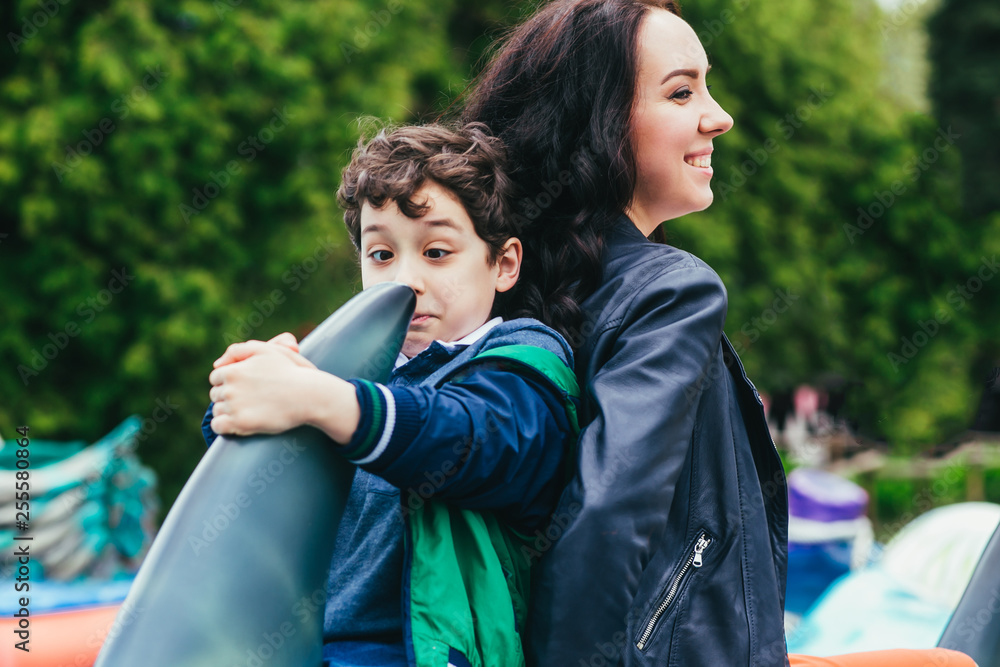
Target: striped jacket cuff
{"x":390,"y":418}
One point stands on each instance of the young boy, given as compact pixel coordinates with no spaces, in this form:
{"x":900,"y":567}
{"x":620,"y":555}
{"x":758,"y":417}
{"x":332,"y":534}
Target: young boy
{"x":462,"y":455}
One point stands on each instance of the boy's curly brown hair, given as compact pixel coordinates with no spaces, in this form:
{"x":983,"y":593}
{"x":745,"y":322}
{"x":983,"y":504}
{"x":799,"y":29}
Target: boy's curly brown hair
{"x":465,"y":160}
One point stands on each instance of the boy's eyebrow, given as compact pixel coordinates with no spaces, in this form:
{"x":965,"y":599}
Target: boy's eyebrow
{"x":690,"y":73}
{"x":374,"y":227}
{"x":444,"y":222}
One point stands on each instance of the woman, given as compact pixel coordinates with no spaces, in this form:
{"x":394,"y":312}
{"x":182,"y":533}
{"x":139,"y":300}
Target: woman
{"x":670,"y":545}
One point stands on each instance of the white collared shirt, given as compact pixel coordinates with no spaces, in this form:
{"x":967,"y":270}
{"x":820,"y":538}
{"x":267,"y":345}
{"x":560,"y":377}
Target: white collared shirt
{"x":464,"y":341}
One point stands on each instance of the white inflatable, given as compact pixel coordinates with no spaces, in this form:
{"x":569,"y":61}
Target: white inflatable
{"x":905,"y":599}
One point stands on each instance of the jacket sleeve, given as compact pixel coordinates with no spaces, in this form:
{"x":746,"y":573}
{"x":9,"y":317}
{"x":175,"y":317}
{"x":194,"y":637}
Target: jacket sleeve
{"x":206,"y":426}
{"x":497,"y":439}
{"x":643,"y":400}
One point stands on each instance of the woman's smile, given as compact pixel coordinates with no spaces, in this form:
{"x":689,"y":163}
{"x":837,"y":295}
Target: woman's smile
{"x":701,"y":161}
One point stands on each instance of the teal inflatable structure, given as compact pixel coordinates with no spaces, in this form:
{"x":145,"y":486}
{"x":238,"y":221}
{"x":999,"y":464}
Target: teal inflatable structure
{"x":237,"y":572}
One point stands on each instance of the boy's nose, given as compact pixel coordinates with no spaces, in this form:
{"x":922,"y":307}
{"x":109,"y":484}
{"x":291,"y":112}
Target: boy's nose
{"x":409,"y":276}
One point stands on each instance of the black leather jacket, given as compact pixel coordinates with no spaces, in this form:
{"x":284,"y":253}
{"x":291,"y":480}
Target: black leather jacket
{"x":669,"y":547}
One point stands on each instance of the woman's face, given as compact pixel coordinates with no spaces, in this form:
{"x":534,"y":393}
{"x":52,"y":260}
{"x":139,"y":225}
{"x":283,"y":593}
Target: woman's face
{"x":674,"y":122}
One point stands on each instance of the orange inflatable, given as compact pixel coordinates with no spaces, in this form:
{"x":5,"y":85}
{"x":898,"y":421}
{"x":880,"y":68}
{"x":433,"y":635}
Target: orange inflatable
{"x":69,"y":638}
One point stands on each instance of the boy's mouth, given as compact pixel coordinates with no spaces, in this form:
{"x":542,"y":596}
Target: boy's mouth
{"x":419,"y":318}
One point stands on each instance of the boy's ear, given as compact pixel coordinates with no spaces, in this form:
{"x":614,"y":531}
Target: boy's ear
{"x":509,"y":263}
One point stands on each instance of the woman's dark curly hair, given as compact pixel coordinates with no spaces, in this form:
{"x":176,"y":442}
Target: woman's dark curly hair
{"x":559,"y":93}
{"x":465,"y":160}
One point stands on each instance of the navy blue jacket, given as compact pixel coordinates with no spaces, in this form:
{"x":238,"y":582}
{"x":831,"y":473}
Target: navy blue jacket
{"x":493,"y":431}
{"x":671,"y":541}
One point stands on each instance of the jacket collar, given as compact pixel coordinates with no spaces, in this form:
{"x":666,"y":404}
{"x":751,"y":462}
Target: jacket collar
{"x":453,"y":346}
{"x":622,"y":241}
{"x":625,"y":229}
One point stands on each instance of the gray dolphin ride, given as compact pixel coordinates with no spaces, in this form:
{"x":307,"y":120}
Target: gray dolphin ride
{"x":237,"y":573}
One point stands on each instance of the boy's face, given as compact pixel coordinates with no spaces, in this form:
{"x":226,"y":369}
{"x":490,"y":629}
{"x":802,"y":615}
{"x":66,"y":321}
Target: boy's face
{"x":442,"y":258}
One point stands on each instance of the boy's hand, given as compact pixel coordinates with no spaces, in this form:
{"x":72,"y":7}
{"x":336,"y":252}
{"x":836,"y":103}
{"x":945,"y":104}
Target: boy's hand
{"x":237,"y":351}
{"x":260,"y":387}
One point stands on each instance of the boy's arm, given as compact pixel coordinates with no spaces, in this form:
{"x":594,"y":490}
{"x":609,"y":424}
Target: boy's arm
{"x":497,"y":439}
{"x":262,"y":387}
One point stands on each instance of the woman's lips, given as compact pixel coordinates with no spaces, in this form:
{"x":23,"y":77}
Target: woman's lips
{"x":700,"y":161}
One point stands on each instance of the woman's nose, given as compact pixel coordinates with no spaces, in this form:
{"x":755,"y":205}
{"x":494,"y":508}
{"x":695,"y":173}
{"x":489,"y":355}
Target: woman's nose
{"x":715,"y":119}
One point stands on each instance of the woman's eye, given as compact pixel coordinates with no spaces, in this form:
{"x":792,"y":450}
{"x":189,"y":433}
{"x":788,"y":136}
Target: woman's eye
{"x":436,"y":253}
{"x":381,"y":255}
{"x":684,"y":94}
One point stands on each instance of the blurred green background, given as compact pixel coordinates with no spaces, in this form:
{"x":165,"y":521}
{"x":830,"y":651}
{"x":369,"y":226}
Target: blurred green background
{"x":168,"y":174}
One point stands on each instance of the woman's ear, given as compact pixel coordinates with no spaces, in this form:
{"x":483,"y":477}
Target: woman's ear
{"x":509,"y":264}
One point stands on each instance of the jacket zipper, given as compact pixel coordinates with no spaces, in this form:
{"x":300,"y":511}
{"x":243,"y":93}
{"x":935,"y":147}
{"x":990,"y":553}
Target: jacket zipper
{"x":694,"y":559}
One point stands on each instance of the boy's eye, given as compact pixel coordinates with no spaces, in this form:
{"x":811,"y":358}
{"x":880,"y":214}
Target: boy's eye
{"x":437,"y":253}
{"x":381,"y":255}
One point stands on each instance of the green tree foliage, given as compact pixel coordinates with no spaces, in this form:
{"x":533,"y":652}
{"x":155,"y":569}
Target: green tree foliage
{"x":965,"y":50}
{"x":167,"y":179}
{"x":837,"y":225}
{"x":167,"y":186}
{"x":965,"y":90}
